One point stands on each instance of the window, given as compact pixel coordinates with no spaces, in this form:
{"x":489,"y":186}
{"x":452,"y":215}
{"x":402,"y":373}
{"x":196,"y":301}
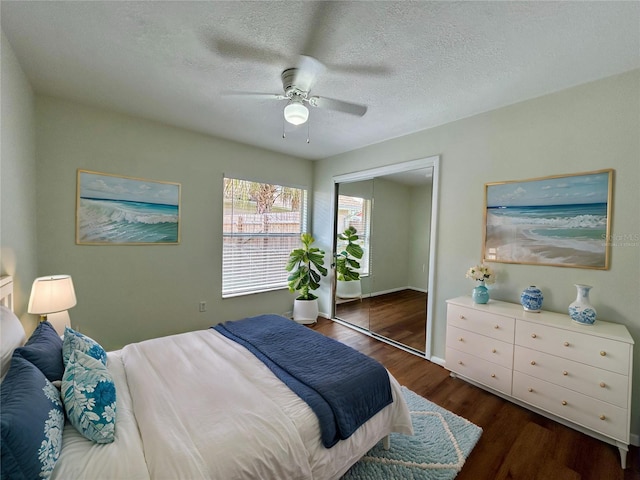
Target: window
{"x":262,"y":223}
{"x":356,"y":212}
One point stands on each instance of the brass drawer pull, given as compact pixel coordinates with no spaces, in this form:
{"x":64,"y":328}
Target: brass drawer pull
{"x":533,"y":335}
{"x":530,"y":389}
{"x":533,"y":362}
{"x":461,"y":339}
{"x":462,"y":317}
{"x":564,"y":402}
{"x":564,"y":372}
{"x":493,"y":375}
{"x":602,"y":417}
{"x":493,"y":350}
{"x":566,"y":344}
{"x":602,"y":384}
{"x":460,"y":362}
{"x":603,"y":353}
{"x":496,"y":327}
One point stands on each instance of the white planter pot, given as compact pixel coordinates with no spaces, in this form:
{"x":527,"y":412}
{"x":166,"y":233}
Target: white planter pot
{"x":350,"y":289}
{"x":305,"y":311}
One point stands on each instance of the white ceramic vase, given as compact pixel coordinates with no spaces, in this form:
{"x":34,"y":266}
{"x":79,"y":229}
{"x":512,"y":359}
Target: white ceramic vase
{"x":581,"y":311}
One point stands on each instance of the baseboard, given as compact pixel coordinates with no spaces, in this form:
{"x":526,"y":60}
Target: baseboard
{"x":634,"y":438}
{"x":418,"y":289}
{"x":394,"y":290}
{"x":437,"y":361}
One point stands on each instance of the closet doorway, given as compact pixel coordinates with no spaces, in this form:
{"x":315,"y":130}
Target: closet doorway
{"x":393,"y":210}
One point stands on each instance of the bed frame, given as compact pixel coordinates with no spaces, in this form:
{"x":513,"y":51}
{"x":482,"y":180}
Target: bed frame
{"x":6,"y":291}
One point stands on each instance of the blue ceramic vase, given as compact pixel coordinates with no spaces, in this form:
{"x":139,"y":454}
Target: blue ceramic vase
{"x":531,"y":299}
{"x":480,"y":294}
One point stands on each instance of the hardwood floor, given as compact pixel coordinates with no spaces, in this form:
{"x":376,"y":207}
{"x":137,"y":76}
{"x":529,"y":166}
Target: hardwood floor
{"x":400,"y":316}
{"x":516,"y":443}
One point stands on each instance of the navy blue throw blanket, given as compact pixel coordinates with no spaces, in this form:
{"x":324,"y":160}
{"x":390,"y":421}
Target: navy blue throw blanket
{"x":343,"y":387}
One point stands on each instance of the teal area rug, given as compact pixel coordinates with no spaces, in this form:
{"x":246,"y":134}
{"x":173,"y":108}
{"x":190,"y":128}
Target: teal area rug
{"x":441,"y":443}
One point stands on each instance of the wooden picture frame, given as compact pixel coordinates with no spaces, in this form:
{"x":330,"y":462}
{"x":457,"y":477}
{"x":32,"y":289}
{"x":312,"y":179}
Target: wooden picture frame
{"x":560,"y":220}
{"x":119,"y":210}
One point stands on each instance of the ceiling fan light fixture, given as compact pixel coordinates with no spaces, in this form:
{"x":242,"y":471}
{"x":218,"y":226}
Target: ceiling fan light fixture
{"x":296,"y":113}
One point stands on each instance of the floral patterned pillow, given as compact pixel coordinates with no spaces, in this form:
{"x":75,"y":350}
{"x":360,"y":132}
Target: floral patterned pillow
{"x":77,"y":341}
{"x":89,"y":397}
{"x":32,"y":422}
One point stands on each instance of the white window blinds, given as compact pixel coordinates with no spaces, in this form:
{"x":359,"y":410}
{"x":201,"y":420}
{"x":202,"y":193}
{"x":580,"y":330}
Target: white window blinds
{"x":262,"y":223}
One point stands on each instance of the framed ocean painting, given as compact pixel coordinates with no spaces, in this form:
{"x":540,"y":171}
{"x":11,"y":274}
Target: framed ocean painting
{"x":560,"y":220}
{"x":118,"y":210}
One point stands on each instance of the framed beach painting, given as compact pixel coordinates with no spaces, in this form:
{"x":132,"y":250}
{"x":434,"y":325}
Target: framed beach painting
{"x":561,"y":220}
{"x":118,"y":210}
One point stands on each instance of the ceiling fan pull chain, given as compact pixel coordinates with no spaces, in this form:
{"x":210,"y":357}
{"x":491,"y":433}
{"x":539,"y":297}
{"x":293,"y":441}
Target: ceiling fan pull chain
{"x":283,"y":134}
{"x":308,"y":131}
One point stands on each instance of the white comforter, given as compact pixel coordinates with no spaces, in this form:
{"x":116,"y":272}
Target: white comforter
{"x":122,"y":459}
{"x":206,"y":408}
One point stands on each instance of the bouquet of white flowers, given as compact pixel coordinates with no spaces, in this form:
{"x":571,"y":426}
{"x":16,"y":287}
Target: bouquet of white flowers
{"x":482,"y":273}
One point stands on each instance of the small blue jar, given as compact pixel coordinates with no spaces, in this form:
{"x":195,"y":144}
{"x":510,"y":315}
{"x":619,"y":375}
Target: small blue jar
{"x":531,"y":299}
{"x":480,"y":294}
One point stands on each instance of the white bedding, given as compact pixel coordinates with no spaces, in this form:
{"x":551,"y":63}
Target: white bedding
{"x":198,"y":405}
{"x":122,"y":459}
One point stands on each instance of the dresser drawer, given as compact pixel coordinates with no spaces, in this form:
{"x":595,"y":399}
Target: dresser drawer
{"x":580,"y":347}
{"x":588,"y":412}
{"x":488,"y":348}
{"x":484,"y":323}
{"x":482,"y":371}
{"x":595,"y":382}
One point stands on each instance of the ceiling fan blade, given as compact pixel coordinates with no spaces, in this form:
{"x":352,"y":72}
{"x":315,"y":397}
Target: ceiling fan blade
{"x":308,"y":70}
{"x":266,"y":96}
{"x":370,"y":70}
{"x":244,"y":51}
{"x":338,"y":105}
{"x":319,"y":27}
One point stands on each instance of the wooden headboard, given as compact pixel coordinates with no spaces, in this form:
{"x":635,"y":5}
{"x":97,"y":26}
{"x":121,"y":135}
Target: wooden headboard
{"x":6,"y":291}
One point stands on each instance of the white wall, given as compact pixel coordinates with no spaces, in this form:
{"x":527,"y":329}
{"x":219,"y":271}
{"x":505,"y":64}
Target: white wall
{"x":588,"y":127}
{"x":18,"y":234}
{"x":128,"y":293}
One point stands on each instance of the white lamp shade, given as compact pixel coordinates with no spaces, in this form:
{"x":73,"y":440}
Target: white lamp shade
{"x":296,"y":113}
{"x":52,"y":294}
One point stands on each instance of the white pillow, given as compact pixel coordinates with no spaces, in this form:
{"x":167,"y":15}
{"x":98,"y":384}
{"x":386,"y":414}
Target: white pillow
{"x":12,"y":336}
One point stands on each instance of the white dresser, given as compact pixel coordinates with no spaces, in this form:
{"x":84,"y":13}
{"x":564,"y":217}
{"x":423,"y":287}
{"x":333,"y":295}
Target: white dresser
{"x":575,"y":374}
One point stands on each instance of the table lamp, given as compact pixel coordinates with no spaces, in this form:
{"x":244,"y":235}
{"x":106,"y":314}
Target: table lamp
{"x":53,"y":296}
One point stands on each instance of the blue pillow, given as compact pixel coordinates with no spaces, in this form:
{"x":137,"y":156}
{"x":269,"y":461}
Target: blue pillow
{"x":44,"y":350}
{"x":77,"y":341}
{"x":32,"y":422}
{"x":89,"y":397}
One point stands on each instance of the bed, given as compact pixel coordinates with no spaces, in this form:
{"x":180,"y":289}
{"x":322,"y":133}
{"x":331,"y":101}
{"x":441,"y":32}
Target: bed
{"x":193,"y":405}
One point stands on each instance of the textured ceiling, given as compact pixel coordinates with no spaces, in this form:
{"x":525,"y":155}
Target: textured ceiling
{"x":414,"y":64}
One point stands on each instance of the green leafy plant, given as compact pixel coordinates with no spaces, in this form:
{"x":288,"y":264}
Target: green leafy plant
{"x":347,"y":259}
{"x":306,"y":267}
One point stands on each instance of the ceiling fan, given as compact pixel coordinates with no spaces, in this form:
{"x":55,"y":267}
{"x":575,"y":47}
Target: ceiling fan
{"x":297,"y":84}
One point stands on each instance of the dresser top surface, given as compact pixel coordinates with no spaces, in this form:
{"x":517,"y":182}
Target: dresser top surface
{"x":601,"y":328}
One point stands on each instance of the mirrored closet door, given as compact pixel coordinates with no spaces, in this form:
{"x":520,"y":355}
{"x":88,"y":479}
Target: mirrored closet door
{"x":392,"y":211}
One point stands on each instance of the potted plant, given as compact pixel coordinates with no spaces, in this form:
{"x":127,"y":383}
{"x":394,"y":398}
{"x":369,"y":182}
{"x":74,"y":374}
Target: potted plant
{"x":306,"y":267}
{"x":348,"y":284}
